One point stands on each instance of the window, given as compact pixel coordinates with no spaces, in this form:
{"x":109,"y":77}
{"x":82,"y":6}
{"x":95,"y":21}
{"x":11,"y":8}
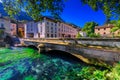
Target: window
{"x":104,"y":33}
{"x":98,"y":29}
{"x":59,"y":29}
{"x":27,"y":28}
{"x":104,"y":28}
{"x":47,"y":23}
{"x":2,"y":25}
{"x":38,"y":34}
{"x":52,"y":24}
{"x":47,"y":35}
{"x":51,"y":35}
{"x":51,"y":28}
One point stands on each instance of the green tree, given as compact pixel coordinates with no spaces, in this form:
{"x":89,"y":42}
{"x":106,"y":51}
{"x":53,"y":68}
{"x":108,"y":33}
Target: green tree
{"x":116,"y":26}
{"x":78,"y":35}
{"x":35,"y":8}
{"x":109,"y":7}
{"x":89,"y":28}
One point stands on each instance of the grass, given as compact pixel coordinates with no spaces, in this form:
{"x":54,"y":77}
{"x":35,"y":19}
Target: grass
{"x":7,"y":55}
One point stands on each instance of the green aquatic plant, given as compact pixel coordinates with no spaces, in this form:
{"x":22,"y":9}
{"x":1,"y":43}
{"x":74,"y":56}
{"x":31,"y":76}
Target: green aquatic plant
{"x":30,"y":77}
{"x":94,"y":74}
{"x":4,"y":50}
{"x":114,"y":74}
{"x":14,"y":55}
{"x":87,"y":73}
{"x":6,"y":75}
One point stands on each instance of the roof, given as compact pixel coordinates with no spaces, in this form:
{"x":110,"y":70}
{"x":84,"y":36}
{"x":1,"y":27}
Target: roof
{"x":105,"y":26}
{"x":75,"y":26}
{"x":62,"y":21}
{"x":53,"y":19}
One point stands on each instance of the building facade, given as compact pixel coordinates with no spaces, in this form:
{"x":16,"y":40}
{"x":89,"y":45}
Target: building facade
{"x":10,"y":26}
{"x":104,"y":30}
{"x":5,"y":23}
{"x":49,"y":28}
{"x":13,"y":29}
{"x":21,"y":29}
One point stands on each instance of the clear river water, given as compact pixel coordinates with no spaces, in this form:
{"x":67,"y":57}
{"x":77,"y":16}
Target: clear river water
{"x":27,"y":64}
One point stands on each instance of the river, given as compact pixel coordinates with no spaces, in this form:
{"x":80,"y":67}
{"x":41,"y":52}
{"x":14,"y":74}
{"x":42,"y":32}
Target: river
{"x":28,"y":64}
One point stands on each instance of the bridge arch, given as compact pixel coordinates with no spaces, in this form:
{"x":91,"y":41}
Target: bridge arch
{"x":33,"y":47}
{"x":64,"y":55}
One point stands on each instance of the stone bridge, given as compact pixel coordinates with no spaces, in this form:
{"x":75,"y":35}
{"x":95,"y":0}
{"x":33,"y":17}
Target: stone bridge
{"x":86,"y":54}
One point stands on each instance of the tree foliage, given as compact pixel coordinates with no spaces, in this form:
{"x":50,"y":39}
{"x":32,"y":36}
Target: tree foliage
{"x":109,"y":7}
{"x":116,"y":25}
{"x":89,"y":28}
{"x":1,"y":33}
{"x":35,"y":8}
{"x":78,"y":35}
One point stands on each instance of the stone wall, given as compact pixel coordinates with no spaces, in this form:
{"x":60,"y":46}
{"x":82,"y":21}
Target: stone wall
{"x":2,"y":44}
{"x":110,"y":42}
{"x":101,"y":42}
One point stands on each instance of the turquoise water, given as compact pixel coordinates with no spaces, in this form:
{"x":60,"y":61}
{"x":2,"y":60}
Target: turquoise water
{"x":41,"y":67}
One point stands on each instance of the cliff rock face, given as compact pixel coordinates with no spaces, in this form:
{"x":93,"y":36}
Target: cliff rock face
{"x":22,"y":15}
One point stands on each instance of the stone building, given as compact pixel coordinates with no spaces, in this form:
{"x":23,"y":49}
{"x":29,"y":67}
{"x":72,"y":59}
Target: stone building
{"x":5,"y":23}
{"x":49,"y":28}
{"x":105,"y":30}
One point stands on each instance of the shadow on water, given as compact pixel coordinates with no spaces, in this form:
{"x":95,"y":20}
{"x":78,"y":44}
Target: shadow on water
{"x":65,"y":56}
{"x":70,"y":58}
{"x":32,"y":47}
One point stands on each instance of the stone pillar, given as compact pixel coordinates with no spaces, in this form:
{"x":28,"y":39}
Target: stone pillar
{"x":7,"y":45}
{"x":35,"y":35}
{"x":41,"y":48}
{"x":25,"y":32}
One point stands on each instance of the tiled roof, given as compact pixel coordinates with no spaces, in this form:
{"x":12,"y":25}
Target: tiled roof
{"x":105,"y":26}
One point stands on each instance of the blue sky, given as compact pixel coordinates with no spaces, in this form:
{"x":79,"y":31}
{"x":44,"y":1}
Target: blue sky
{"x":79,"y":14}
{"x":75,"y":12}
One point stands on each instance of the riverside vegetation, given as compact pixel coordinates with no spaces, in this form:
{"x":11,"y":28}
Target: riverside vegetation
{"x":27,"y":64}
